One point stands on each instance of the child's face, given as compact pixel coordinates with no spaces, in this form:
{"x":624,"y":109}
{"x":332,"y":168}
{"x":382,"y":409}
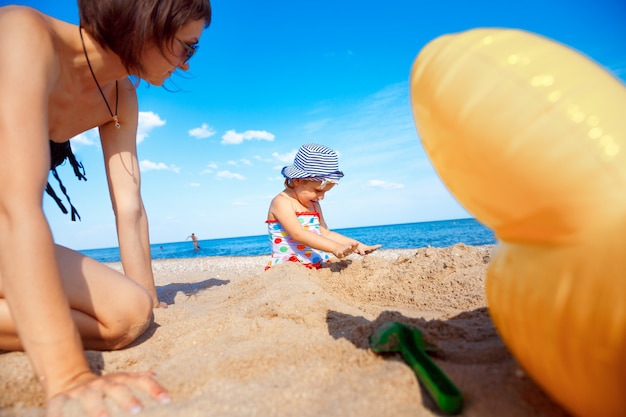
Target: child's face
{"x":309,"y":192}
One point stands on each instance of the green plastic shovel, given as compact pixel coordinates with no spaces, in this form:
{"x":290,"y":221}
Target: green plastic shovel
{"x":407,"y":340}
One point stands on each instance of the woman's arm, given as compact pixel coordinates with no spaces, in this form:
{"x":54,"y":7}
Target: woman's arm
{"x":30,"y":281}
{"x":123,"y":176}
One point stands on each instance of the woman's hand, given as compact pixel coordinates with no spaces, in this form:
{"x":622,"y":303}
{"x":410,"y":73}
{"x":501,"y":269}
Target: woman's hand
{"x":118,"y":387}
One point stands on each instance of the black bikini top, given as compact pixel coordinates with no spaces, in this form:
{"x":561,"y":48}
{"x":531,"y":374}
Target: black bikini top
{"x":59,"y":152}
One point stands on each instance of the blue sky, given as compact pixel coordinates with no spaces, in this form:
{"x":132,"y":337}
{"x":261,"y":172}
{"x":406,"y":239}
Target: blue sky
{"x":272,"y":75}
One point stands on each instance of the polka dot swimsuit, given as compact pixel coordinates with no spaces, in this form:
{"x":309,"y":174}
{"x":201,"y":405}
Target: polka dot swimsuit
{"x":285,"y":249}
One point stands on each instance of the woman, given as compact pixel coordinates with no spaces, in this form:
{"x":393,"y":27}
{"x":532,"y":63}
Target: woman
{"x":56,"y":81}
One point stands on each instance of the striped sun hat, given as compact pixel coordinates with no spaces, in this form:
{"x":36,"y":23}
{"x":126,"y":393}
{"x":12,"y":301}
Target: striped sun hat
{"x":314,"y":162}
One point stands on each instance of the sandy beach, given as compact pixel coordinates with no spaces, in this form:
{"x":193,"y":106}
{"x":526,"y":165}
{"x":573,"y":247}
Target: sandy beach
{"x":236,"y":340}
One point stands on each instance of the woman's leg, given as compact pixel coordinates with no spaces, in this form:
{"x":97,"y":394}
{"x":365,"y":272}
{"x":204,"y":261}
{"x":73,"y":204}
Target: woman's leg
{"x":110,"y":310}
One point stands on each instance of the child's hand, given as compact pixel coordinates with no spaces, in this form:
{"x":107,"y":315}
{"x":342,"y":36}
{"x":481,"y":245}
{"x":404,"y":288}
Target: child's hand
{"x":342,"y":250}
{"x":365,"y":249}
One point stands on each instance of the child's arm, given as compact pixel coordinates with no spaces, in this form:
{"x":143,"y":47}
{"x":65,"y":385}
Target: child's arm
{"x":358,"y":247}
{"x":361,"y":248}
{"x":282,"y":210}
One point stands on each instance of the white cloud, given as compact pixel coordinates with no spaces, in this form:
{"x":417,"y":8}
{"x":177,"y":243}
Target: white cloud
{"x":231,"y":137}
{"x":209,"y":168}
{"x":312,"y":128}
{"x":146,"y":165}
{"x":239,"y":162}
{"x":230,"y":175}
{"x":384,"y":184}
{"x":202,"y":132}
{"x":147,"y":121}
{"x":286,"y":158}
{"x":262,"y":159}
{"x":88,"y":138}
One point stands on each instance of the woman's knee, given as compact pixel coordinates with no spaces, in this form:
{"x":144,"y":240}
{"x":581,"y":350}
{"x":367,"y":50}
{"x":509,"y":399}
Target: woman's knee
{"x":131,"y":322}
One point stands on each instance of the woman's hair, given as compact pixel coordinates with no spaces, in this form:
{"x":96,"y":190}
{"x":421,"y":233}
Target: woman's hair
{"x":127,"y":27}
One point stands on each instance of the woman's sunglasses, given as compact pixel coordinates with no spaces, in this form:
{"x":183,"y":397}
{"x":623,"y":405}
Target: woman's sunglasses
{"x":191,"y":50}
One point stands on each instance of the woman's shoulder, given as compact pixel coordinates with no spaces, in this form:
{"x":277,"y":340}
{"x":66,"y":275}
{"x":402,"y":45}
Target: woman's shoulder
{"x":22,"y":17}
{"x":22,"y":28}
{"x":28,"y":42}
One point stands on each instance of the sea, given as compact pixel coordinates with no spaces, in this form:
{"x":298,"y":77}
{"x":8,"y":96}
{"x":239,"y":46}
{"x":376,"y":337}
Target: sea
{"x":437,"y":234}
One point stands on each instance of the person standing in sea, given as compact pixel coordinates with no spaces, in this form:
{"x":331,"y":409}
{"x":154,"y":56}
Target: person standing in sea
{"x":56,"y":81}
{"x":194,"y":239}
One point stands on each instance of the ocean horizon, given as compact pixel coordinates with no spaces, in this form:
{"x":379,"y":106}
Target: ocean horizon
{"x":440,"y":233}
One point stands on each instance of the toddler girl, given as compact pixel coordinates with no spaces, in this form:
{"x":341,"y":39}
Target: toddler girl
{"x":296,"y":225}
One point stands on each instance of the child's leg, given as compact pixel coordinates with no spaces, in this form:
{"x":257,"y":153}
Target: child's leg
{"x":110,"y":310}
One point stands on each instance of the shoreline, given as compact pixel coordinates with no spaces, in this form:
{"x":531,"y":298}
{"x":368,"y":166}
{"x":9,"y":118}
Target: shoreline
{"x":236,"y":340}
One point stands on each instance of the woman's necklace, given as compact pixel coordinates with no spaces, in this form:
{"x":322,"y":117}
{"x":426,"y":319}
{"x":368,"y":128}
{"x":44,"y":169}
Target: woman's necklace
{"x":113,"y":116}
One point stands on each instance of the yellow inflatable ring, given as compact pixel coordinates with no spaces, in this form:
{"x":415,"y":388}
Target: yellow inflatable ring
{"x":530,"y":137}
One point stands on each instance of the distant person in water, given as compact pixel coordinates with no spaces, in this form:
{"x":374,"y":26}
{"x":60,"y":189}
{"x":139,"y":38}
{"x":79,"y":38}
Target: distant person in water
{"x":296,"y":225}
{"x":194,"y":239}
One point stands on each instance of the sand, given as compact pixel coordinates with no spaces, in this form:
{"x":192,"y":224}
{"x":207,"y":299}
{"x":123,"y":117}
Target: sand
{"x":240,"y":341}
